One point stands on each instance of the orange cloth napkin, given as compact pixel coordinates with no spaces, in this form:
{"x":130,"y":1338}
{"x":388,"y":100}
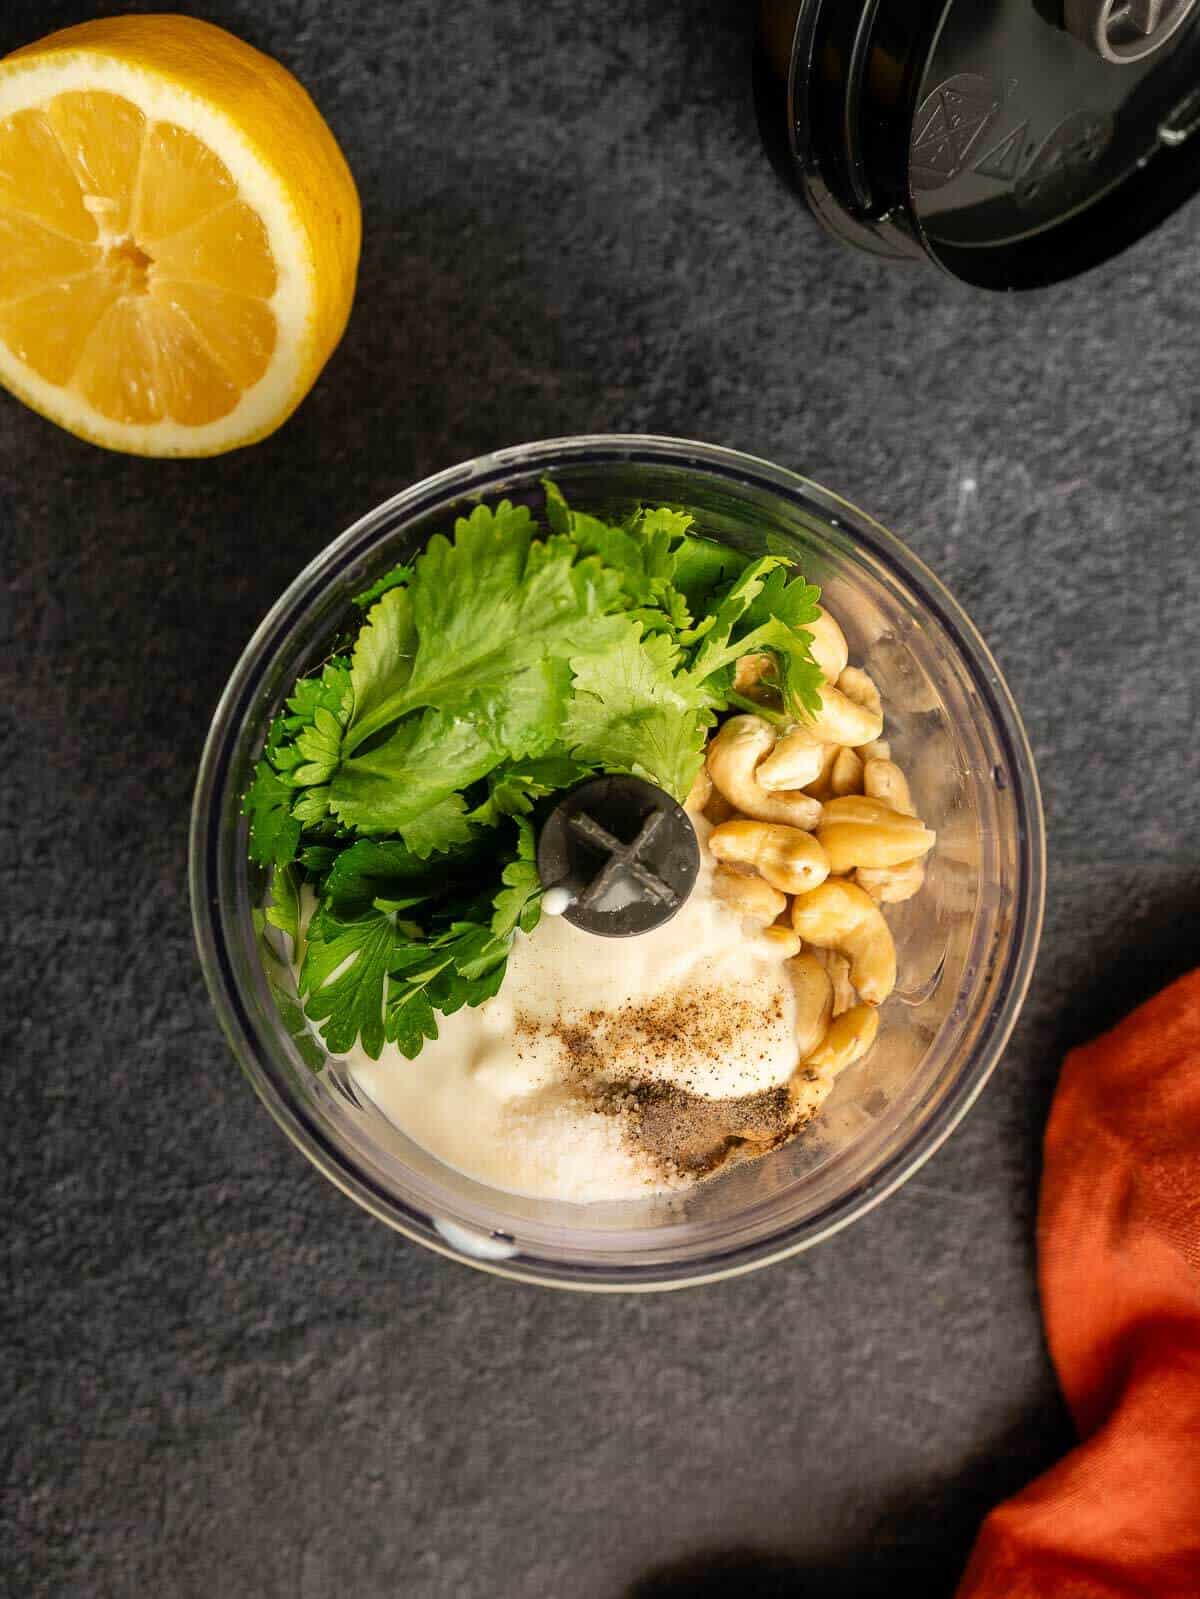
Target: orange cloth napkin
{"x":1119,"y":1246}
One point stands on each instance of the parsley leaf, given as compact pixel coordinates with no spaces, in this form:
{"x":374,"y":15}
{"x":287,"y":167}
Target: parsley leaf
{"x":318,"y":859}
{"x":311,"y":805}
{"x":330,"y":691}
{"x":517,"y":903}
{"x":514,"y":787}
{"x":423,"y":762}
{"x":274,"y":831}
{"x":442,"y":827}
{"x":302,"y":749}
{"x":464,"y":967}
{"x":284,"y":910}
{"x":344,"y":974}
{"x":385,"y":869}
{"x":409,"y":1015}
{"x":320,"y":748}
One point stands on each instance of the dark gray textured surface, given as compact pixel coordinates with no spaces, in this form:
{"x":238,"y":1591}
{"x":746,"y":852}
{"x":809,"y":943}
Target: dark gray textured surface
{"x":220,"y":1377}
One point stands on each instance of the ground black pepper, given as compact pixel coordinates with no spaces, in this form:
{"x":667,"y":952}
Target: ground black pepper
{"x":608,"y":1060}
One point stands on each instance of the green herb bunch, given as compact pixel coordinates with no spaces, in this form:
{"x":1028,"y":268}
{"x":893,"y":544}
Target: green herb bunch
{"x":402,"y":784}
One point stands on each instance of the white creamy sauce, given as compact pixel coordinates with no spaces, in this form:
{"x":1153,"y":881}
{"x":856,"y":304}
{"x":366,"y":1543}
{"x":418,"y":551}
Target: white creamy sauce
{"x":502,"y":1093}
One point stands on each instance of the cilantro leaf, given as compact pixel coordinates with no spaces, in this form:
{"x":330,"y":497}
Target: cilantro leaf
{"x":641,"y":551}
{"x":736,"y":632}
{"x":485,"y":609}
{"x":663,"y":523}
{"x":617,"y":548}
{"x":717,"y":648}
{"x":558,"y":512}
{"x":800,"y":676}
{"x":633,"y":712}
{"x":383,"y":652}
{"x":791,"y":601}
{"x":702,"y":568}
{"x":529,"y":716}
{"x":394,"y":578}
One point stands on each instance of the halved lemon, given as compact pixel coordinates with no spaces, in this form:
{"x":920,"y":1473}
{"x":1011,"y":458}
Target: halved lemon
{"x":179,"y":236}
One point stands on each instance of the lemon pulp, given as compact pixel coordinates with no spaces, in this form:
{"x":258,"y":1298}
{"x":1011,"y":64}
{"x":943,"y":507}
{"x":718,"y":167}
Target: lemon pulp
{"x":130,"y":269}
{"x":179,"y":235}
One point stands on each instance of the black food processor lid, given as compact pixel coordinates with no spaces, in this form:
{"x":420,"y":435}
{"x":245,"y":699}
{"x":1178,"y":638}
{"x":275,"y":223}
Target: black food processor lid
{"x":618,"y":855}
{"x":1013,"y":142}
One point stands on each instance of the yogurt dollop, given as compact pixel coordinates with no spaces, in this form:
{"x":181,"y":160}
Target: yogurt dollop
{"x":524,"y":1092}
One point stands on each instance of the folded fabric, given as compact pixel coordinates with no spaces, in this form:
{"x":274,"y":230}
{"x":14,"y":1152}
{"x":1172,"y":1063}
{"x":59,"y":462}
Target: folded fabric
{"x":1119,"y":1269}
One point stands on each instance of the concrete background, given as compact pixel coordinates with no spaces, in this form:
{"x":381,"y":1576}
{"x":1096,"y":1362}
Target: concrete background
{"x":220,"y":1377}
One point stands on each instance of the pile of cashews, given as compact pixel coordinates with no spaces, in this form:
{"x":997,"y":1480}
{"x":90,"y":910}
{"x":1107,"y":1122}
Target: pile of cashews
{"x":813,"y":830}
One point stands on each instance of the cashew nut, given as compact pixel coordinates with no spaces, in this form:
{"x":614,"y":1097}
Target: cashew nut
{"x":752,"y":679}
{"x":840,"y":915}
{"x":820,"y":787}
{"x":838,"y":967}
{"x":700,"y":792}
{"x":748,"y":896}
{"x":733,"y":758}
{"x":790,"y":860}
{"x":795,"y":761}
{"x":859,"y":686}
{"x":908,"y":686}
{"x":885,"y":781}
{"x":849,"y":1037}
{"x":828,"y":648}
{"x":719,"y":809}
{"x":857,"y":831}
{"x":891,"y":885}
{"x":846,"y":776}
{"x":842,"y":720}
{"x":814,"y":1002}
{"x":807,"y":1090}
{"x":777,"y":943}
{"x":877,"y":750}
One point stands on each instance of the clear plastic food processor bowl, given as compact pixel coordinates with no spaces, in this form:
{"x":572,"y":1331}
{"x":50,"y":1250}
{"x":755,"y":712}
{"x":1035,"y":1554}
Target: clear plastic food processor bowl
{"x":966,"y":943}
